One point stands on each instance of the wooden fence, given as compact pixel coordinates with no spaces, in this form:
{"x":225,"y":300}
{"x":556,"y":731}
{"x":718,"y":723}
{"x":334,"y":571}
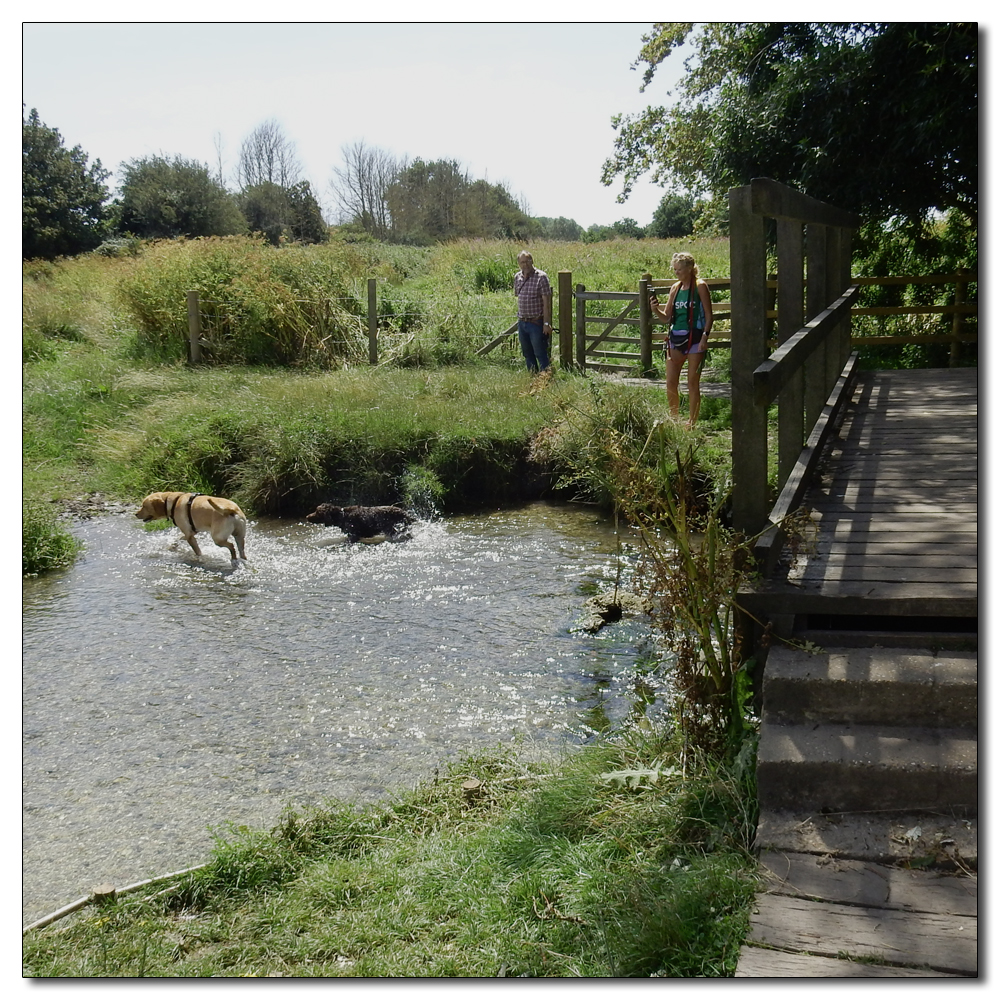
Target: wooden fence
{"x":631,"y":330}
{"x":584,"y":352}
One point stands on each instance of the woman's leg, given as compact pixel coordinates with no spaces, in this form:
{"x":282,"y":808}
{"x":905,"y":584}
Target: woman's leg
{"x":675,"y":361}
{"x":695,"y":360}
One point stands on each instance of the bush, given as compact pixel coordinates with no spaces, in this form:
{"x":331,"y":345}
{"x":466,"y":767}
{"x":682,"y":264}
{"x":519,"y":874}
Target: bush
{"x":44,"y":544}
{"x":260,"y":305}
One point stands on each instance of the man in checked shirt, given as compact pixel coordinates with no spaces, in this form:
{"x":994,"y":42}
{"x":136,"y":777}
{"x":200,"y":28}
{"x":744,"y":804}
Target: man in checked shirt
{"x":534,"y":313}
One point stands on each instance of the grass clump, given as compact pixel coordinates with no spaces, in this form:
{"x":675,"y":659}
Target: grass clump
{"x":45,"y":544}
{"x":550,"y":869}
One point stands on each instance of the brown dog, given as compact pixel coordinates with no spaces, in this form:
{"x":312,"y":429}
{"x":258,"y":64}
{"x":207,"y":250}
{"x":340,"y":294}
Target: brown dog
{"x":362,"y":522}
{"x":194,"y":512}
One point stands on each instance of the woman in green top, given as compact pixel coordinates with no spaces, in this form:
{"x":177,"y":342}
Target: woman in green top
{"x":689,"y":313}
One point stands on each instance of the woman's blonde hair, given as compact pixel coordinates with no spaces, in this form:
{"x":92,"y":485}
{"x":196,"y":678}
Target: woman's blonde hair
{"x":686,"y":259}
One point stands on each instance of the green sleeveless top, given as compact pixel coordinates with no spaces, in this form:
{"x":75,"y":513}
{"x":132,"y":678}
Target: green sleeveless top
{"x":681,"y":309}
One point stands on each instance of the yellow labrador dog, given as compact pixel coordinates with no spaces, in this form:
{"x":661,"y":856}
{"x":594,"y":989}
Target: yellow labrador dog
{"x":194,"y":512}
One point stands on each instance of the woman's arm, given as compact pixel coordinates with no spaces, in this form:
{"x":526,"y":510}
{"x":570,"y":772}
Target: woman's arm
{"x":706,"y":301}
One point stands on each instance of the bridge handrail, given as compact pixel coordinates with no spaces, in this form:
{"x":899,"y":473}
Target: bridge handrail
{"x":778,"y":370}
{"x":813,"y":298}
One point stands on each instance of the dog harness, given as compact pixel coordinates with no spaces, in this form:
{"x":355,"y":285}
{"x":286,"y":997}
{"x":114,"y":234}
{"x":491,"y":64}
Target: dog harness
{"x":172,"y":510}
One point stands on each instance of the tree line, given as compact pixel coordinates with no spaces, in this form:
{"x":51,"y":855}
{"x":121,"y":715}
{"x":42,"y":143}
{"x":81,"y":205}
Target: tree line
{"x":68,"y":209}
{"x":878,"y":117}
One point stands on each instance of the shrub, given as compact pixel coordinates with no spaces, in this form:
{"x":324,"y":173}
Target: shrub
{"x":260,"y":305}
{"x":45,"y":545}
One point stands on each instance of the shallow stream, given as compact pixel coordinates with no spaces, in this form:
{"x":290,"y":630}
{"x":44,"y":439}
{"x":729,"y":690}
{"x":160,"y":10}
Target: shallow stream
{"x":165,"y":697}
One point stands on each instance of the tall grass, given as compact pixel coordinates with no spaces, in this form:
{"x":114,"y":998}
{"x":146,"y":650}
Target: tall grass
{"x":69,"y":300}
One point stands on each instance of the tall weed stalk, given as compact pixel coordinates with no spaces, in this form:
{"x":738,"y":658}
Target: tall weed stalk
{"x":692,"y":566}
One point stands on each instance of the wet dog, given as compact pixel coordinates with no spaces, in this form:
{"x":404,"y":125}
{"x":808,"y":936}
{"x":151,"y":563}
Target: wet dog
{"x":194,"y":512}
{"x":362,"y":522}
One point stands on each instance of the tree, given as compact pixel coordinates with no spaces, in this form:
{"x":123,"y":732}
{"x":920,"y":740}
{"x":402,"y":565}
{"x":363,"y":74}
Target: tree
{"x":283,"y":213}
{"x":881,"y":118}
{"x":361,"y":187}
{"x":266,"y":210}
{"x":306,"y":222}
{"x":492,"y":212}
{"x":267,"y":156}
{"x":628,"y":228}
{"x":674,"y":217}
{"x":560,"y":228}
{"x":436,"y":200}
{"x":424,"y":199}
{"x":163,"y":198}
{"x":62,"y":198}
{"x":597,"y":233}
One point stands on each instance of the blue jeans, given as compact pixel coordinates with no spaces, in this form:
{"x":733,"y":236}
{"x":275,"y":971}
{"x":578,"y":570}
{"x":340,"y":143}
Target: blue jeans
{"x":534,"y":345}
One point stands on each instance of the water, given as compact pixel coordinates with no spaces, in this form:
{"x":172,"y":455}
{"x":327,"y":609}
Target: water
{"x":166,"y":697}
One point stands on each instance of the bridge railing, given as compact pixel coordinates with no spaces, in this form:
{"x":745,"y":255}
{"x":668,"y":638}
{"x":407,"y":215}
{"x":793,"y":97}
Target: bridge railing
{"x":809,"y":371}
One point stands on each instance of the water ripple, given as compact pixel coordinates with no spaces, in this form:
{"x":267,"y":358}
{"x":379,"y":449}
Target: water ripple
{"x":165,"y":695}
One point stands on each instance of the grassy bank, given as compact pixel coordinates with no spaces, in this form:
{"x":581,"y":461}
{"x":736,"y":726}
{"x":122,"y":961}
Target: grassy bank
{"x":110,"y":405}
{"x":609,"y":863}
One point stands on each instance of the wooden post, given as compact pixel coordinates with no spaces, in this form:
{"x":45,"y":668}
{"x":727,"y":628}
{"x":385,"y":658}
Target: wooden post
{"x":845,"y":282}
{"x":958,"y":320}
{"x":816,"y":302}
{"x":565,"y":319}
{"x":748,"y":269}
{"x":581,"y":330}
{"x":834,"y":288}
{"x":791,"y":317}
{"x":194,"y":328}
{"x":372,"y":323}
{"x":645,"y":327}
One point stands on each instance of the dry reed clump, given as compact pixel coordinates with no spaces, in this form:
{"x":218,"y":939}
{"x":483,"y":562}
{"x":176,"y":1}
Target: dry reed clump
{"x":292,"y":306}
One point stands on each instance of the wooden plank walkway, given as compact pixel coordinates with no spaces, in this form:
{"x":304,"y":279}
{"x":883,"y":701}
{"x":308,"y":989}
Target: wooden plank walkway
{"x":825,"y":917}
{"x":894,"y":518}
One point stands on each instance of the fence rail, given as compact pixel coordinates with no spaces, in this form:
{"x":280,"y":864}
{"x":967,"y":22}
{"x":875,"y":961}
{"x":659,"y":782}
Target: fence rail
{"x":587,"y":355}
{"x":624,"y":342}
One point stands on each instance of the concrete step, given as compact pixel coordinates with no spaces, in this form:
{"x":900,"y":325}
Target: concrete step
{"x":872,"y":686}
{"x":846,"y":767}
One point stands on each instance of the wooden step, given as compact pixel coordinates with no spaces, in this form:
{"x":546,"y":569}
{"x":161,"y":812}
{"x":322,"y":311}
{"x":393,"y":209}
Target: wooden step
{"x":876,"y":920}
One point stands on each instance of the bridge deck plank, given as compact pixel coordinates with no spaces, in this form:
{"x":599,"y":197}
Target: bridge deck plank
{"x":894,"y":511}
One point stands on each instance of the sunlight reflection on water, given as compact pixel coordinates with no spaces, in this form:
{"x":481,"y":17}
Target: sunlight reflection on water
{"x":163,"y":695}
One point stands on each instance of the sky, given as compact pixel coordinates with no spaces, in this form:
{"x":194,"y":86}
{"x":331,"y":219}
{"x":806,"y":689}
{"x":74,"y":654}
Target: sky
{"x":525,"y":103}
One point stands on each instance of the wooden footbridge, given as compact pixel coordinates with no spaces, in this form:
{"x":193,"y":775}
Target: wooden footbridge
{"x":863,"y":621}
